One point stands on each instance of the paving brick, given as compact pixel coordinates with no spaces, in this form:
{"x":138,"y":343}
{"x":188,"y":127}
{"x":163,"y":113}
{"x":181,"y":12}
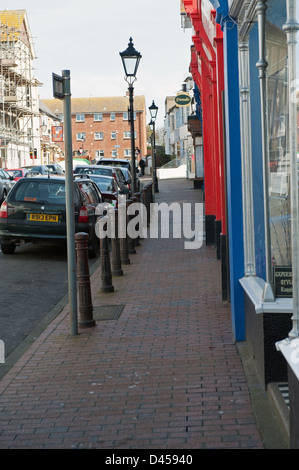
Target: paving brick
{"x":165,"y":375}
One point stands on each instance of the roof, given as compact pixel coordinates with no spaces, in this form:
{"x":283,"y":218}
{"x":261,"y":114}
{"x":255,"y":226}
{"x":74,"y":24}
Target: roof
{"x":14,"y":26}
{"x":45,"y":110}
{"x":97,"y":105}
{"x":13,"y":19}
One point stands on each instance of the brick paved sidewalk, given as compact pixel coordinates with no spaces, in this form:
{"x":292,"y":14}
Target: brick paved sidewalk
{"x":164,"y":375}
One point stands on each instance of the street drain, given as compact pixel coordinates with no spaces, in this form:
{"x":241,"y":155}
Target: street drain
{"x":107,"y":312}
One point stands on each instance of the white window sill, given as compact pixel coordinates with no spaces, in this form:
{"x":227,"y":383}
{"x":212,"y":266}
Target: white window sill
{"x":254,"y":287}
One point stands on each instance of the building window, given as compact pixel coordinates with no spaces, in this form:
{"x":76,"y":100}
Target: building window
{"x":113,"y":135}
{"x":114,"y":153}
{"x":98,"y":117}
{"x":98,"y":135}
{"x":80,"y":117}
{"x":81,"y":136}
{"x":112,"y":116}
{"x":127,"y":135}
{"x":125,"y":116}
{"x":127,"y":153}
{"x":279,"y":145}
{"x":99,"y":153}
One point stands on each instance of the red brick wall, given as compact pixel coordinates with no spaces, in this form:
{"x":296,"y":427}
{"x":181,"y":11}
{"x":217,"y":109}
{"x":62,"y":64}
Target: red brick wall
{"x":90,"y":127}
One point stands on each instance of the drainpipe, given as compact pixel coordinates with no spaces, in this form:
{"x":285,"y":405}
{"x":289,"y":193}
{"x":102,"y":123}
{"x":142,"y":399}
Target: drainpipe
{"x":291,"y":27}
{"x":262,"y":65}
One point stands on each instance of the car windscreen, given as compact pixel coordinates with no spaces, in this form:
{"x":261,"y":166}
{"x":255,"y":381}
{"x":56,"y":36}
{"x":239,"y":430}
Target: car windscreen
{"x":15,"y":173}
{"x":45,"y":192}
{"x":95,"y":171}
{"x":114,"y":163}
{"x":104,"y":185}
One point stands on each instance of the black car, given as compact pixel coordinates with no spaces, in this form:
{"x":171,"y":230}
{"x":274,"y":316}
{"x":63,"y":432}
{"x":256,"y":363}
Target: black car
{"x":108,"y":187}
{"x":115,"y":162}
{"x":55,"y":169}
{"x":35,"y":170}
{"x":6,"y":183}
{"x":35,"y":211}
{"x":128,"y":178}
{"x":105,"y":171}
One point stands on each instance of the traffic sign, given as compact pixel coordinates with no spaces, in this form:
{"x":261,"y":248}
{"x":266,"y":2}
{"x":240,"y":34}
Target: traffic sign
{"x":57,"y":86}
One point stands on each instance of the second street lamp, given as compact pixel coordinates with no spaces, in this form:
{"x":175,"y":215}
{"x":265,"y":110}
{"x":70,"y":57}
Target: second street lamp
{"x":153,"y":112}
{"x":130,"y":59}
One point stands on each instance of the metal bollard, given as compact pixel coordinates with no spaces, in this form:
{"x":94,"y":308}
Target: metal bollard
{"x":115,"y":253}
{"x":131,"y":241}
{"x":106,"y":275}
{"x":123,"y":236}
{"x":85,"y":302}
{"x":136,"y":199}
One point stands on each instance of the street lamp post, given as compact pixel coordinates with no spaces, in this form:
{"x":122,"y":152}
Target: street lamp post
{"x":131,"y":59}
{"x":153,"y":112}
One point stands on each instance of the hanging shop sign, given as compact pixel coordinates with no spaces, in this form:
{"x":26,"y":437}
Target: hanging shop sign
{"x":57,"y":133}
{"x":182,"y":99}
{"x":283,"y":281}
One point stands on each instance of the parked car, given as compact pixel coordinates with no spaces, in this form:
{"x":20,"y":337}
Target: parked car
{"x":108,"y":186}
{"x":17,"y":173}
{"x":128,"y":177}
{"x":115,"y":162}
{"x":35,"y":211}
{"x":6,"y":183}
{"x":56,"y":169}
{"x":35,"y":170}
{"x":105,"y":171}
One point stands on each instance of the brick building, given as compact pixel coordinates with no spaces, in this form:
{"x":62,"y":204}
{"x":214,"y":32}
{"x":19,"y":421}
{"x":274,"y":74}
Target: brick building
{"x":100,"y":126}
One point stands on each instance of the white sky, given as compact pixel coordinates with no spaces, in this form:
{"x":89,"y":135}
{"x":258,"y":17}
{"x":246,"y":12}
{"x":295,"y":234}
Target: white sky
{"x":86,"y":37}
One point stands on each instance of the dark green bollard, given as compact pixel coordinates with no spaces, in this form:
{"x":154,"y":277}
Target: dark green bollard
{"x":115,"y":244}
{"x":106,"y":275}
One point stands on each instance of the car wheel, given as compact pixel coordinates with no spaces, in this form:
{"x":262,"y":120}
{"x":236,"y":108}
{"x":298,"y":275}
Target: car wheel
{"x":8,"y":248}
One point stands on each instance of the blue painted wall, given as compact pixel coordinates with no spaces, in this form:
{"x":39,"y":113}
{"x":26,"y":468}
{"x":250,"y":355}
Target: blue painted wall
{"x":234,"y":177}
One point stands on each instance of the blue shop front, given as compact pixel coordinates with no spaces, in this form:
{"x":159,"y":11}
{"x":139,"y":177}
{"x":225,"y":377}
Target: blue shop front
{"x":261,"y":59}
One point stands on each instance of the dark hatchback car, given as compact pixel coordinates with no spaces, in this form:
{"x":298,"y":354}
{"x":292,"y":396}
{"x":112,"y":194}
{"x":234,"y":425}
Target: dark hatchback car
{"x":108,"y":187}
{"x":105,"y":171}
{"x":35,"y":170}
{"x":55,"y":169}
{"x":115,"y":162}
{"x":35,"y":211}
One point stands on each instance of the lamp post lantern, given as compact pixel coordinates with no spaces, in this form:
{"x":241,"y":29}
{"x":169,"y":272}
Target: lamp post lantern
{"x":130,"y":60}
{"x":153,"y":112}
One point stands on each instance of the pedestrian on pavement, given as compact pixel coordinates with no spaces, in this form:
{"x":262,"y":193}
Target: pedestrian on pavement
{"x":142,"y":166}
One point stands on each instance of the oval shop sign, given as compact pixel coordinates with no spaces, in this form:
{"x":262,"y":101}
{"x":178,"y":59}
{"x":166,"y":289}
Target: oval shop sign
{"x":182,"y":99}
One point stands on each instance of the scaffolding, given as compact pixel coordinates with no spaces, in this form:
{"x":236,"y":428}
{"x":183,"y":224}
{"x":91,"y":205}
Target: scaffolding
{"x":18,"y":91}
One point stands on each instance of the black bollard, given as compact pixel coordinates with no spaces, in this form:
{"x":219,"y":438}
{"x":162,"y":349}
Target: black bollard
{"x":131,"y":241}
{"x":122,"y":233}
{"x":136,"y":199}
{"x":115,"y":245}
{"x":85,"y":302}
{"x":106,"y":275}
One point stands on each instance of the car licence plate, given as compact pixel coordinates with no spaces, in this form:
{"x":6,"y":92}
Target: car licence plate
{"x":43,"y":217}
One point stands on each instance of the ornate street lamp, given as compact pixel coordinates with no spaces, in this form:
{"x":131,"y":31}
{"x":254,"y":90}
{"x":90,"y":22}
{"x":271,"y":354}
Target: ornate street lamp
{"x":153,"y":112}
{"x":131,"y":59}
